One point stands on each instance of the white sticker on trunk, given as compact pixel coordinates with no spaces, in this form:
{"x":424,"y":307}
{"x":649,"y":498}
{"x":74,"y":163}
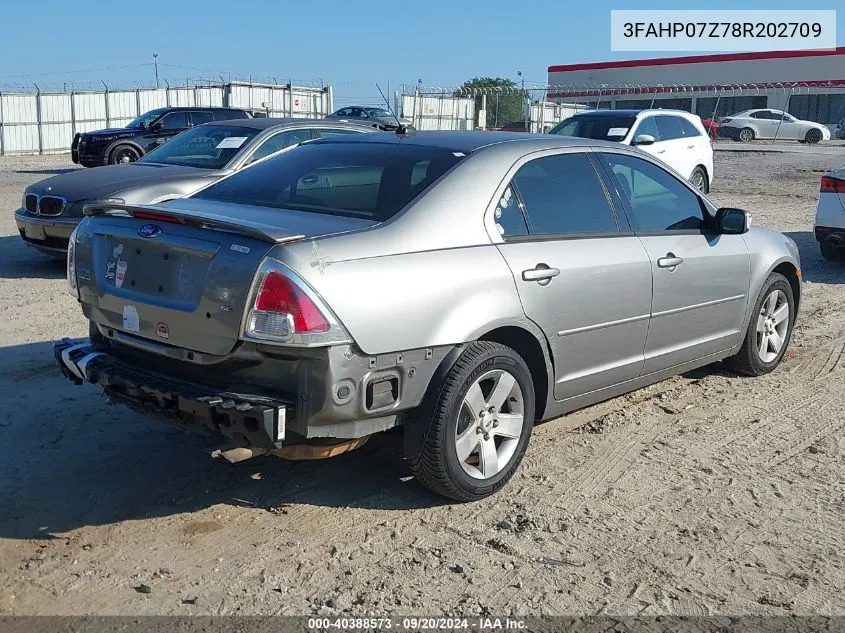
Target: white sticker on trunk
{"x":617,"y":131}
{"x":120,"y":274}
{"x":131,"y":320}
{"x":231,"y":142}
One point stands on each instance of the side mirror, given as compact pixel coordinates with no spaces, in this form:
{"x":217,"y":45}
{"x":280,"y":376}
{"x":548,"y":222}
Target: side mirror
{"x":643,"y":139}
{"x":732,"y":221}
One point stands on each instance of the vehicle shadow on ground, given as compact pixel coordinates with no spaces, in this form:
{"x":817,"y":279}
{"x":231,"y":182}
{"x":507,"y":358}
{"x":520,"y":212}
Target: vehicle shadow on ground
{"x":815,"y":268}
{"x":70,"y":460}
{"x":19,"y":261}
{"x":47,"y":172}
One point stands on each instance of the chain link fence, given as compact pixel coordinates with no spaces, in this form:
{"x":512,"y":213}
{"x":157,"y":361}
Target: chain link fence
{"x":790,"y":111}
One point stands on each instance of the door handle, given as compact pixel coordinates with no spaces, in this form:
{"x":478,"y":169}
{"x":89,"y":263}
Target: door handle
{"x":541,"y":273}
{"x":661,"y":151}
{"x":670,"y":261}
{"x":690,"y":146}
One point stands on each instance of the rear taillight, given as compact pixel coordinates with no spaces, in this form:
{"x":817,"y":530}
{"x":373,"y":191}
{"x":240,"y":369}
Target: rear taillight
{"x":155,"y":217}
{"x":832,"y":185}
{"x":284,"y":309}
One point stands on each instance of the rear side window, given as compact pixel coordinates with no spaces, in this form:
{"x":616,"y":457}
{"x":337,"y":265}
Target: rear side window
{"x":226,"y":114}
{"x":688,"y":128}
{"x":670,"y":127}
{"x":563,"y":195}
{"x":367,"y":180}
{"x":201,"y":116}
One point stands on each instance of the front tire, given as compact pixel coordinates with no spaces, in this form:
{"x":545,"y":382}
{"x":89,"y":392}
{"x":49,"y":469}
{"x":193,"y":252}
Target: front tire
{"x":124,"y":154}
{"x":813,"y":136}
{"x":746,"y":135}
{"x":769,"y":331}
{"x":479,"y":425}
{"x":832,"y":253}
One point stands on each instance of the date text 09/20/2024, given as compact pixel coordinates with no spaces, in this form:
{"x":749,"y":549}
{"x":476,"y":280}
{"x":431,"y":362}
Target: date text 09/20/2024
{"x":417,"y":624}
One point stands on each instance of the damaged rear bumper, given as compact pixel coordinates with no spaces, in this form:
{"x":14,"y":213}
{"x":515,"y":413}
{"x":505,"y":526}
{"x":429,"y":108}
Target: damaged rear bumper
{"x":255,"y":420}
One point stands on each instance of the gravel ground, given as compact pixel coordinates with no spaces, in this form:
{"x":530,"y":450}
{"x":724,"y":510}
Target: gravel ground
{"x":705,"y":494}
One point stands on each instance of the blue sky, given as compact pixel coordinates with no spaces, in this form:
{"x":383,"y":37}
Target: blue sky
{"x":351,"y":45}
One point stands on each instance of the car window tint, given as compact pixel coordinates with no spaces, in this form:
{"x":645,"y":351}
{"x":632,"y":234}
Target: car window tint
{"x":372,"y":181}
{"x":670,"y":127}
{"x":200,"y":116}
{"x":563,"y":194}
{"x":174,"y":121}
{"x":648,"y":126}
{"x":688,"y":128}
{"x":659,"y":201}
{"x":510,"y":220}
{"x":279,"y":141}
{"x":604,"y":126}
{"x":225,"y":114}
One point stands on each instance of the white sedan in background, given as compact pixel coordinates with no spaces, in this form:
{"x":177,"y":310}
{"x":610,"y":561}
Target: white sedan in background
{"x":829,"y":226}
{"x":767,"y":124}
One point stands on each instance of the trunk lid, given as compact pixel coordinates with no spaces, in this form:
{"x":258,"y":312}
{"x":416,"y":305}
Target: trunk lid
{"x":180,"y":275}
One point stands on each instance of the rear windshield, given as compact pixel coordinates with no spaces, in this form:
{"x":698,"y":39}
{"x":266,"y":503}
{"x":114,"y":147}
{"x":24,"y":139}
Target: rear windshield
{"x":204,"y":146}
{"x":360,"y":180}
{"x":607,"y":128}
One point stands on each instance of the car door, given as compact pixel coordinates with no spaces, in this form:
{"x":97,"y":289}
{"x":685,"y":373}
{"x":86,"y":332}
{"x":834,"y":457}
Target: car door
{"x":764,"y":123}
{"x":581,"y":274}
{"x":789,"y":128}
{"x":700,"y":278}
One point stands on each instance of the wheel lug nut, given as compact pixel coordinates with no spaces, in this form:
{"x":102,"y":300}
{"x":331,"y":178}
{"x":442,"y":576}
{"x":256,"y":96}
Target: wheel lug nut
{"x":495,"y":423}
{"x":486,"y":436}
{"x":478,"y":430}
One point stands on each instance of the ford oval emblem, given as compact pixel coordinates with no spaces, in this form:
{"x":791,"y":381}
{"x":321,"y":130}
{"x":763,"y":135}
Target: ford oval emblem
{"x":149,"y":230}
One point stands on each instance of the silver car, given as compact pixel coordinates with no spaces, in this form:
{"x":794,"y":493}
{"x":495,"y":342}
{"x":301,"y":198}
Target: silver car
{"x":368,"y":115}
{"x":463,"y":285}
{"x":51,"y":208}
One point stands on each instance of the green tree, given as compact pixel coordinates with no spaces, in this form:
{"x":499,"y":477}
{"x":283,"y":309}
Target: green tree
{"x":504,"y":99}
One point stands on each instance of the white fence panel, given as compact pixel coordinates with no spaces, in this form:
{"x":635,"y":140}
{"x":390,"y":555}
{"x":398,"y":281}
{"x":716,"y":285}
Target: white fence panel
{"x":152,"y":99}
{"x":182,"y":96}
{"x":88,"y":106}
{"x":55,"y":108}
{"x":19,"y":139}
{"x":56,"y":137}
{"x":122,"y":106}
{"x":239,"y":96}
{"x":439,"y":113}
{"x":19,"y":109}
{"x":88,"y":126}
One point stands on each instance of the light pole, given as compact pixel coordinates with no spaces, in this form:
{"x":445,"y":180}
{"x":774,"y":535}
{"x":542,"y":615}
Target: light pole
{"x":522,"y":92}
{"x":155,"y":61}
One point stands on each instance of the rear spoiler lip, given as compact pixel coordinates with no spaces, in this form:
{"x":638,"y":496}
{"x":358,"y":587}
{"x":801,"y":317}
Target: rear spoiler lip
{"x":259,"y":230}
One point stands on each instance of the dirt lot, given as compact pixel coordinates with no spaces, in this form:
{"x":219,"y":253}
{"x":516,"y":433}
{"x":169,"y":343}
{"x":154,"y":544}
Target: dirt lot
{"x":708,"y":493}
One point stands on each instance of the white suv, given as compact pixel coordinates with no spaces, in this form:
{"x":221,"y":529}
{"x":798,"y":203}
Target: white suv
{"x":676,"y":137}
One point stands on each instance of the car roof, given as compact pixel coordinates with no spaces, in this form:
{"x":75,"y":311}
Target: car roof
{"x":263,"y":123}
{"x":470,"y":141}
{"x":632,"y":112}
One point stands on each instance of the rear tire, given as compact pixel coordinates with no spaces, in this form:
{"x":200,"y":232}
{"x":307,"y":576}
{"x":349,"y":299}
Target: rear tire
{"x":769,"y":330}
{"x":746,"y":135}
{"x":813,"y":136}
{"x":479,"y":425}
{"x":699,"y":180}
{"x":124,"y":154}
{"x":832,"y":253}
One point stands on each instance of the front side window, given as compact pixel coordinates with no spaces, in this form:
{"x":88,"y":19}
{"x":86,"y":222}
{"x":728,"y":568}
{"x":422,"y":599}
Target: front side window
{"x":658,"y":201}
{"x":648,"y":126}
{"x":278,"y":142}
{"x":206,"y":147}
{"x":174,"y":121}
{"x":360,"y":180}
{"x":563,"y":195}
{"x":145,"y":119}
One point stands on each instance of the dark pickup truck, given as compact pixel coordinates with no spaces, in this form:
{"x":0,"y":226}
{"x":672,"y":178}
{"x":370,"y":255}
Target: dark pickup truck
{"x":144,"y":134}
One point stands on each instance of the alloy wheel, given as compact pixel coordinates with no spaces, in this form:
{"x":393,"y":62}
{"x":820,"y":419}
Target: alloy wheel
{"x":772,"y":326}
{"x":490,"y":423}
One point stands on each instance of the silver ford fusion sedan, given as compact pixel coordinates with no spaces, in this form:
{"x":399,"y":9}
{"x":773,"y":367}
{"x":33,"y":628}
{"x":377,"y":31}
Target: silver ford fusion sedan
{"x":462,"y":285}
